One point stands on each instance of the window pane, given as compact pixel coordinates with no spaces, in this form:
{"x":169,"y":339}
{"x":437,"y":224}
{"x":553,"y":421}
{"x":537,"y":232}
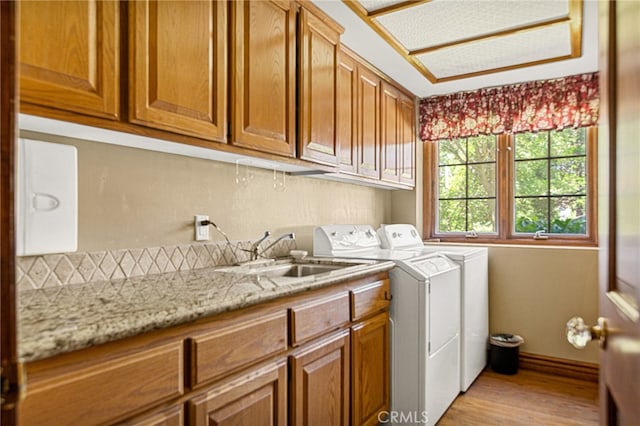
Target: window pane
{"x":531,"y":214}
{"x":452,"y":151}
{"x":481,"y":149}
{"x":482,"y":180}
{"x":451,"y":215}
{"x":453,"y":182}
{"x":531,"y":177}
{"x":568,"y":176}
{"x":531,"y":145}
{"x":482,"y":215}
{"x":568,"y":215}
{"x":568,"y":142}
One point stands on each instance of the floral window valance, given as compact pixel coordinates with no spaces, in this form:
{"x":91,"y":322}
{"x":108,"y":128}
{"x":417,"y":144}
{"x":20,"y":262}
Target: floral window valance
{"x":527,"y":107}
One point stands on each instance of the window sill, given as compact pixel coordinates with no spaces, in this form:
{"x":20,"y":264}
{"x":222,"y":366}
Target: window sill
{"x":521,"y":242}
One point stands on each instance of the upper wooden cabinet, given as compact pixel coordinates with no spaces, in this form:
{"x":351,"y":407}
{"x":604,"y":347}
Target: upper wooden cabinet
{"x":367,"y":120}
{"x":178,"y":66}
{"x":263,"y":75}
{"x":346,"y":107}
{"x":407,"y":149}
{"x":69,"y":55}
{"x":398,"y":143}
{"x":317,"y":86}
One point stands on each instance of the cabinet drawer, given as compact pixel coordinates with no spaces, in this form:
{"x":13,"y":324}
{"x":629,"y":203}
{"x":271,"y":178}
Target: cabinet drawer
{"x":231,"y":348}
{"x":318,"y":317}
{"x":369,"y":299}
{"x":107,"y":391}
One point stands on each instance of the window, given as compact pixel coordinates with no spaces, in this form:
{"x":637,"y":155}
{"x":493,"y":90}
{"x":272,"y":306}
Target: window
{"x":513,"y":188}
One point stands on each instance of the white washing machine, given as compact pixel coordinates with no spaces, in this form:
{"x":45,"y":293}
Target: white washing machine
{"x":425,"y":321}
{"x":474,"y":293}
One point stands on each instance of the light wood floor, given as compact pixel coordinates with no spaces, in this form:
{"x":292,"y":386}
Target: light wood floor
{"x":527,"y":398}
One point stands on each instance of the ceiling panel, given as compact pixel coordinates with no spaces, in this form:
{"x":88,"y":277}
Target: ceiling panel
{"x":498,"y":53}
{"x":453,"y":39}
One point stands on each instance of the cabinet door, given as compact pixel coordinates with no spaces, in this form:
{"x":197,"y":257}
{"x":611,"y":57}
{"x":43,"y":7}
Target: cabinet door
{"x":317,"y":89}
{"x":390,"y":134}
{"x":69,"y":55}
{"x":320,"y":382}
{"x":257,"y":397}
{"x":370,"y":370}
{"x":178,"y":75}
{"x":368,"y":124}
{"x":263,"y":75}
{"x":346,"y":113}
{"x":407,"y":150}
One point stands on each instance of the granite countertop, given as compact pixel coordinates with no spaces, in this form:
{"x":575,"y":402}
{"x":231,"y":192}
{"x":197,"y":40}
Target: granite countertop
{"x":56,"y":320}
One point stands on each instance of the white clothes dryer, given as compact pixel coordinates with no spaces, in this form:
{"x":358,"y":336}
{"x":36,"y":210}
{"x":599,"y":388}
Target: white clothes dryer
{"x":425,"y":321}
{"x":474,"y":293}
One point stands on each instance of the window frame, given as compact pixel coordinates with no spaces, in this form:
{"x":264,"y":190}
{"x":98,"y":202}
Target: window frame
{"x":505,"y":173}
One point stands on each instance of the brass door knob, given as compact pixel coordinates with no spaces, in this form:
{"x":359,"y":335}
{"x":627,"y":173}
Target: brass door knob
{"x":579,"y":334}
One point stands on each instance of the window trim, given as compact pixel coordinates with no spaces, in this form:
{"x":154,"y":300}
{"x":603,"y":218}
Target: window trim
{"x":505,"y":170}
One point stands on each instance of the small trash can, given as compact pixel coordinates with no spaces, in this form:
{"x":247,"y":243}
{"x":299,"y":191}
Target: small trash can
{"x":505,"y":349}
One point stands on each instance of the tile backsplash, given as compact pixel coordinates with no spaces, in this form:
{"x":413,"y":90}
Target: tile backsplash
{"x":50,"y":270}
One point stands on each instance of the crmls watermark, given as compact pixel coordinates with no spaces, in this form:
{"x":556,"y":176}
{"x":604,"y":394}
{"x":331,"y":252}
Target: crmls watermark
{"x":403,"y":417}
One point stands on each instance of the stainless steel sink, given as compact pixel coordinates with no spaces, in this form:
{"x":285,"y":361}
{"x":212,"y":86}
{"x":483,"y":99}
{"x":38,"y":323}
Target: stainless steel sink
{"x":284,"y":269}
{"x":294,"y":270}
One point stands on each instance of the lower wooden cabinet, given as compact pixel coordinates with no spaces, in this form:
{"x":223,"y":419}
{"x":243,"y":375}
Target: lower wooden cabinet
{"x":370,"y":370}
{"x":256,"y":397}
{"x":320,"y":382}
{"x":235,"y":368}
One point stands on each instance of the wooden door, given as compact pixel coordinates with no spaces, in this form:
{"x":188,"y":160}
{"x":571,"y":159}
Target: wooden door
{"x":69,"y":55}
{"x":389,"y":133}
{"x":320,"y":382}
{"x":178,"y":61}
{"x":255,"y":398}
{"x":263,"y":77}
{"x":368,"y":123}
{"x":8,"y":350}
{"x":407,"y":148}
{"x":370,"y":370}
{"x":620,"y":234}
{"x":319,"y":44}
{"x":346,"y":104}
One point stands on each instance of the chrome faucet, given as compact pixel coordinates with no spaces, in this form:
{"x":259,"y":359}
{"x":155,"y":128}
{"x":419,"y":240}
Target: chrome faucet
{"x":254,"y":247}
{"x":290,"y":235}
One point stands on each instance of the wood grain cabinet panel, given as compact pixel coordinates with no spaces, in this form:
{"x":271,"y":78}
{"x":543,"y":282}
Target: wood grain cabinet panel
{"x":368,"y":123}
{"x":69,"y":54}
{"x":317,"y":87}
{"x":390,"y":133}
{"x":178,"y":61}
{"x":398,"y":139}
{"x":172,"y":416}
{"x":370,"y":370}
{"x":320,"y":382}
{"x":263,"y":77}
{"x":230,"y":348}
{"x":346,"y":107}
{"x":317,"y":317}
{"x":407,"y":141}
{"x":369,"y":299}
{"x":256,"y":397}
{"x":102,"y":393}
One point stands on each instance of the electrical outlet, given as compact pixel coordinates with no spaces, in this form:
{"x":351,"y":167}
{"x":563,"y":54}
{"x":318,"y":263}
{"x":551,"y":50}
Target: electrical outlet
{"x":202,"y":231}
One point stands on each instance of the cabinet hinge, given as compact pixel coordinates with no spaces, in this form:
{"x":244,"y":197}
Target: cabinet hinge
{"x":12,"y":391}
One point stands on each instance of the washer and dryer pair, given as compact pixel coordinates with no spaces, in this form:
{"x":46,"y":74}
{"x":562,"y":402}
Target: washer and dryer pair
{"x":435,"y":348}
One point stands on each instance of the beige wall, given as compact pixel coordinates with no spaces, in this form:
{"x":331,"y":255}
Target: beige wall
{"x":132,"y":198}
{"x":533,"y":291}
